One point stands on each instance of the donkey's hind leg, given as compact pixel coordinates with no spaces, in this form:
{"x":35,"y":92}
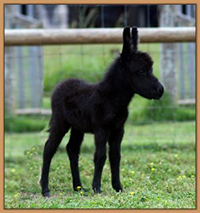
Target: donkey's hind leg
{"x":73,"y":150}
{"x":57,"y":133}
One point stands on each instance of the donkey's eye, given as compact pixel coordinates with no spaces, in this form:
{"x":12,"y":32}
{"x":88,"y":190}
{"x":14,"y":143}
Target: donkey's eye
{"x":141,"y":72}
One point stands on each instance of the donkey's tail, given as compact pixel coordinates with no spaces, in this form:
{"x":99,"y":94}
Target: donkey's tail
{"x":50,"y":124}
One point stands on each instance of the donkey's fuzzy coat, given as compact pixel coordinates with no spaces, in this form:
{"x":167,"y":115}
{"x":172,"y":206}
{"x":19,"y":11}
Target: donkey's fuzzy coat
{"x":101,"y":109}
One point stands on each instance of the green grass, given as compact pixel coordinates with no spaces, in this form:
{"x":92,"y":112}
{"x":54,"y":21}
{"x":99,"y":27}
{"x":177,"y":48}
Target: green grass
{"x":167,"y":147}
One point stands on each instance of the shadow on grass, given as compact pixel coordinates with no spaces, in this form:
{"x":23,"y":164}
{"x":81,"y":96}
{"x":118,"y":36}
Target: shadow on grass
{"x":154,"y":147}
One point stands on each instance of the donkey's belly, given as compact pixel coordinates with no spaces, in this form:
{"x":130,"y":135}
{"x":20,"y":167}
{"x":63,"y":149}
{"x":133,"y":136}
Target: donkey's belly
{"x":79,"y":120}
{"x":82,"y":127}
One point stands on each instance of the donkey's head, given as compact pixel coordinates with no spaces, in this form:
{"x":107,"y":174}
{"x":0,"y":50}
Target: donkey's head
{"x":139,"y":67}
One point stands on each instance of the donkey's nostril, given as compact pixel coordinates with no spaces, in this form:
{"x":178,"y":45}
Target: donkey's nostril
{"x":160,"y":90}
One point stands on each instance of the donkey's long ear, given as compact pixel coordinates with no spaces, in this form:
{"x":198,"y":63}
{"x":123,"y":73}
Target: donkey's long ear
{"x":126,"y":50}
{"x":135,"y":38}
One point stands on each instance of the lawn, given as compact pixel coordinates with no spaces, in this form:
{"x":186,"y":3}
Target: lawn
{"x":157,"y":170}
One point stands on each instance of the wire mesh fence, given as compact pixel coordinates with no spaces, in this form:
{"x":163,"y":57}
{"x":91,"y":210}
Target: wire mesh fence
{"x":31,"y":72}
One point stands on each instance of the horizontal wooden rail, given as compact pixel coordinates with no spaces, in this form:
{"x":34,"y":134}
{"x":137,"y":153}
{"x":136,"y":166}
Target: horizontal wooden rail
{"x":33,"y":111}
{"x":187,"y":102}
{"x":40,"y":111}
{"x":95,"y":36}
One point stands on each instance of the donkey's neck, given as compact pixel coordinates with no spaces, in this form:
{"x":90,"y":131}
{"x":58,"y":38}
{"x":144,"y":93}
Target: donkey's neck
{"x":115,"y":85}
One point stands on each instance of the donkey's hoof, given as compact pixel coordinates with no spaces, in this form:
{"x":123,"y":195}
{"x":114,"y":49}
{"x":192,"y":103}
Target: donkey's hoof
{"x":97,"y":191}
{"x":46,"y":194}
{"x":119,"y":189}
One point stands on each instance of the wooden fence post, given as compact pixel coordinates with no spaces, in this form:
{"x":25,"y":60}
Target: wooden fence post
{"x":9,"y":81}
{"x":9,"y":63}
{"x":168,"y":18}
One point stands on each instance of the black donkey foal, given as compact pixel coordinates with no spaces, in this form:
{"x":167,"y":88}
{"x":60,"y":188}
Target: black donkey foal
{"x":101,"y":109}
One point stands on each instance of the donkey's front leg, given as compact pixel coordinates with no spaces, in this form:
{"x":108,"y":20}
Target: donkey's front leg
{"x":115,"y":156}
{"x":101,"y":138}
